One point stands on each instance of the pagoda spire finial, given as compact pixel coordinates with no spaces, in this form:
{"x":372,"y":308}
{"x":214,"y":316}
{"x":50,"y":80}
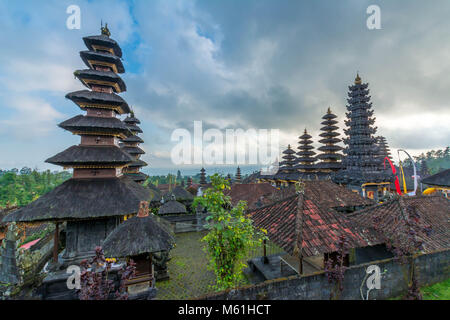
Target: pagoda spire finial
{"x":329,"y":110}
{"x":105,"y":30}
{"x":357,"y":79}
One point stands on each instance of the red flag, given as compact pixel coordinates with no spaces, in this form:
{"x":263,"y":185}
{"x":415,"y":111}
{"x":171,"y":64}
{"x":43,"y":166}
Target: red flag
{"x":397,"y":183}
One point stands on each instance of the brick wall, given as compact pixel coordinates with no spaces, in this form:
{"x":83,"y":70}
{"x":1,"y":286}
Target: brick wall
{"x":432,"y":268}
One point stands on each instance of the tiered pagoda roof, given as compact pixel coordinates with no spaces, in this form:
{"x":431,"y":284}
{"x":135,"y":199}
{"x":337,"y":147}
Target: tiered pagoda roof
{"x":202,"y":177}
{"x":330,"y":159}
{"x":305,"y":159}
{"x":384,"y":150}
{"x":130,"y":145}
{"x":237,"y":178}
{"x":287,"y":171}
{"x":97,"y":189}
{"x":361,"y":163}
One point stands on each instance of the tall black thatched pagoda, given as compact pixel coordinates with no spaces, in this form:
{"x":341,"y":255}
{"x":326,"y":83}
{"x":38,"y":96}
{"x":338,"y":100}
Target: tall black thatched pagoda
{"x":237,"y":178}
{"x":202,"y":177}
{"x":287,"y":174}
{"x":330,"y":158}
{"x":306,"y":159}
{"x":361,"y":166}
{"x":94,"y":201}
{"x":131,"y":146}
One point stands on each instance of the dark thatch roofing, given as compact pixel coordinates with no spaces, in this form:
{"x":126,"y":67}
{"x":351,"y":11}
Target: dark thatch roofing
{"x":156,"y":193}
{"x":96,"y":124}
{"x":322,"y":226}
{"x":133,"y":150}
{"x":138,"y":177}
{"x":104,"y":57}
{"x":441,"y":179}
{"x":134,"y":128}
{"x":132,"y":120}
{"x":432,"y":211}
{"x":180,"y":194}
{"x":104,"y":41}
{"x":89,"y":155}
{"x":104,"y":98}
{"x":137,"y":163}
{"x":138,"y":235}
{"x":133,"y":138}
{"x":85,"y":199}
{"x":172,"y":207}
{"x":107,"y":76}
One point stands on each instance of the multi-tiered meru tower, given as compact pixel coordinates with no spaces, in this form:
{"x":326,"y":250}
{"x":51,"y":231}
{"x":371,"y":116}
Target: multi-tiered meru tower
{"x":306,"y":159}
{"x":361,"y":165}
{"x":131,"y":146}
{"x":330,"y":158}
{"x":94,"y":201}
{"x":237,"y":177}
{"x":287,"y":174}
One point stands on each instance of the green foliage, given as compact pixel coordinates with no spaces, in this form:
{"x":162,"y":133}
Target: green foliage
{"x":436,"y":161}
{"x":438,"y":291}
{"x":231,"y":234}
{"x":22,"y":189}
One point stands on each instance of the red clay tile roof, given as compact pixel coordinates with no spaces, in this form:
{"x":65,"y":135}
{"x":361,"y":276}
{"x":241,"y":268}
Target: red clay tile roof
{"x":433,"y":211}
{"x":321,"y":226}
{"x":250,"y":192}
{"x":326,"y":193}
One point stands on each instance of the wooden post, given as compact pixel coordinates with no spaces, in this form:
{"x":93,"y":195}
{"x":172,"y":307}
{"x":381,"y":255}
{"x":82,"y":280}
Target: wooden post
{"x":265,"y":260}
{"x":150,"y":269}
{"x":299,"y":225}
{"x":56,"y":243}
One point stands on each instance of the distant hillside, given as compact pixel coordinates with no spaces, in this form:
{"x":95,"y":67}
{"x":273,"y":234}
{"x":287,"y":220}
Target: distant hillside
{"x":431,"y":162}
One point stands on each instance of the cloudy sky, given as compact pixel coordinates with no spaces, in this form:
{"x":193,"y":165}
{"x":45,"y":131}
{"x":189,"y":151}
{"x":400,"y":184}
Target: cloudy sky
{"x":232,"y":64}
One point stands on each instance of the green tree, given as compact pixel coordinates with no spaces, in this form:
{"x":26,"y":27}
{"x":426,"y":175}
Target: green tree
{"x":231,"y":233}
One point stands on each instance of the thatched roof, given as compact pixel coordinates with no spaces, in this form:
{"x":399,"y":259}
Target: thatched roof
{"x":104,"y":57}
{"x":85,"y":199}
{"x":108,"y":76}
{"x":138,"y":177}
{"x":133,"y":150}
{"x":180,"y":194}
{"x":94,"y":124}
{"x":103,"y":98}
{"x":156,"y":193}
{"x":77,"y":155}
{"x":138,"y":235}
{"x":441,"y":179}
{"x":172,"y":207}
{"x":133,"y":138}
{"x":103,"y":41}
{"x":132,"y":120}
{"x":134,"y":128}
{"x":138,"y":163}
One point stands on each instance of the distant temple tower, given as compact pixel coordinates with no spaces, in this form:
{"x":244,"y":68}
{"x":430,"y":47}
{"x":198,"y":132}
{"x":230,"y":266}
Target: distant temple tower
{"x":131,"y":146}
{"x":361,"y":166}
{"x":237,"y":178}
{"x":95,"y":200}
{"x":306,"y":159}
{"x":383,"y":148}
{"x":202,"y":177}
{"x":330,"y":159}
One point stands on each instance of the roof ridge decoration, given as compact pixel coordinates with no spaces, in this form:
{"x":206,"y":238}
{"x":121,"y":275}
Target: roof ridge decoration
{"x":104,"y":30}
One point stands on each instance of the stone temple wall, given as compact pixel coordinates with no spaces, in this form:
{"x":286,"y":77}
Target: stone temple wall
{"x":432,"y":268}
